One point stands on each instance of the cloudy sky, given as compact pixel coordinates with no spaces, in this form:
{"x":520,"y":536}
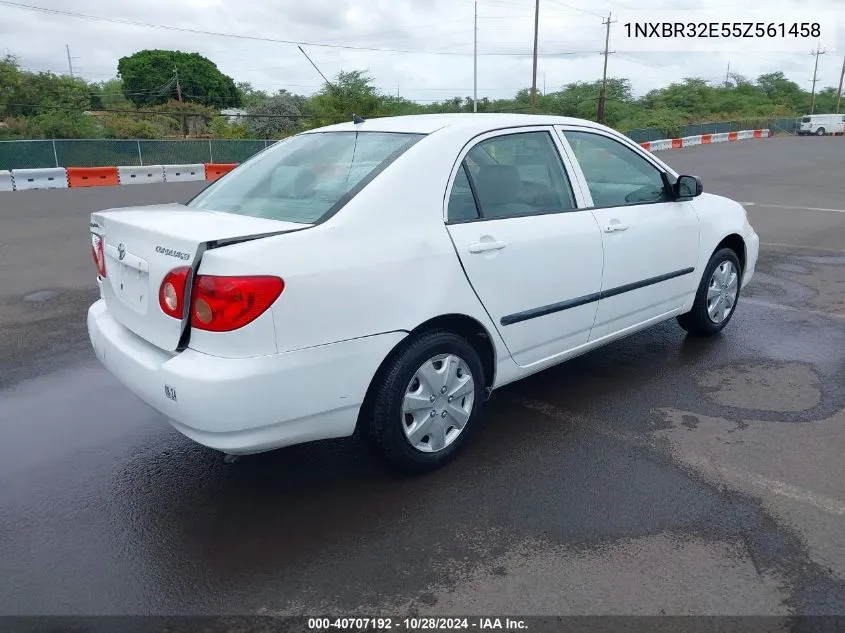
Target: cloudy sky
{"x":430,"y":41}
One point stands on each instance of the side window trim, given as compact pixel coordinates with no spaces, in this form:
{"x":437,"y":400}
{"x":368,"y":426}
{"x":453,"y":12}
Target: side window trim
{"x":566,"y":164}
{"x":582,"y":179}
{"x":580,"y":192}
{"x":473,"y":190}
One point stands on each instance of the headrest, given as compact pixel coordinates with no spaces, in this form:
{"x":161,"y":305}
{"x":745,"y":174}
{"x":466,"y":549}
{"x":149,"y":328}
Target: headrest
{"x":498,"y":184}
{"x":291,"y":182}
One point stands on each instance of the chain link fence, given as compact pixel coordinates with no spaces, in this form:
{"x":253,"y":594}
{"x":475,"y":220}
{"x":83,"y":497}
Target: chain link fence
{"x":106,"y":152}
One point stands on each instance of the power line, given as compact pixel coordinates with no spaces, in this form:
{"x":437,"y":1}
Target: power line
{"x":151,"y":112}
{"x":569,"y":6}
{"x":256,"y":38}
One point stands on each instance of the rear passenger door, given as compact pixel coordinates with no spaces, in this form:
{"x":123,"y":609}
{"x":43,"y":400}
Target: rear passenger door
{"x":533,"y":258}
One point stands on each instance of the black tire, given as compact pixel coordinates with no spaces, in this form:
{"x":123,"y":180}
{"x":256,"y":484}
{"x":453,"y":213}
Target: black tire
{"x":697,"y":321}
{"x":820,"y":132}
{"x":382,"y":421}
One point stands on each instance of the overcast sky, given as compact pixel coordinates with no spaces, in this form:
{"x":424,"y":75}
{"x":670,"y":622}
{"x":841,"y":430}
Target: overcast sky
{"x":444,"y":26}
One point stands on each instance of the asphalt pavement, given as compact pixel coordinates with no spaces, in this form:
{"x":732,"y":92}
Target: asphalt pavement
{"x":659,"y":475}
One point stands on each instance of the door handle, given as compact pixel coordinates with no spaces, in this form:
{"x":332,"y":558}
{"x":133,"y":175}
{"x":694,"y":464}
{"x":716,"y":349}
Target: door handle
{"x":614,"y":227}
{"x":484,"y":247}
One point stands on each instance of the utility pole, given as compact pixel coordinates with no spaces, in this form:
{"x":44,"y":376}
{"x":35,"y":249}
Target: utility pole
{"x":69,"y":60}
{"x":606,"y":52}
{"x":179,"y":96}
{"x":534,"y":72}
{"x":728,"y":75}
{"x":816,"y":52}
{"x":475,"y":63}
{"x":178,"y":85}
{"x":839,"y":92}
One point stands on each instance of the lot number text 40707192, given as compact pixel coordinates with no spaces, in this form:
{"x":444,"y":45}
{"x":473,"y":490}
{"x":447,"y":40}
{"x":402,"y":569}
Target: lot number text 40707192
{"x":418,"y":623}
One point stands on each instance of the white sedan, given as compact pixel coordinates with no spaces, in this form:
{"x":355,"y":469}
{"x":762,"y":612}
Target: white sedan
{"x":387,"y":276}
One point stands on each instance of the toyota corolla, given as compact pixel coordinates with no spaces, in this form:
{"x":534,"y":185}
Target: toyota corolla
{"x":386,"y":276}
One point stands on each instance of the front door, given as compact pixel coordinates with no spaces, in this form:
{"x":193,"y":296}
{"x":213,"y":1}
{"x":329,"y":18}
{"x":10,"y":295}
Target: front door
{"x":532,"y":256}
{"x":651,"y":241}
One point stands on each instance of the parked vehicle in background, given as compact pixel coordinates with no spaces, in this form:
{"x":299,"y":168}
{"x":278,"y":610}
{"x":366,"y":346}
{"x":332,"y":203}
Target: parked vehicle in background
{"x":387,"y":276}
{"x":821,"y":124}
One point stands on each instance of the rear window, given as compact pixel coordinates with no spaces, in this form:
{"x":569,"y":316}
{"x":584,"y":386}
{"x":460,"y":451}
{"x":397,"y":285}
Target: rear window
{"x":305,"y":178}
{"x":806,"y":119}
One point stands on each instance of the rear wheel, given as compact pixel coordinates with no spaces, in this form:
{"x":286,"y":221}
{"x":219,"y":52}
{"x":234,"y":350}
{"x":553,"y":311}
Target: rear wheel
{"x":716,"y":297}
{"x":820,"y":132}
{"x":426,"y":401}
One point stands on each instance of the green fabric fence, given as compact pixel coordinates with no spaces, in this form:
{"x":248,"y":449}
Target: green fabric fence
{"x":778,"y":126}
{"x":107,"y":152}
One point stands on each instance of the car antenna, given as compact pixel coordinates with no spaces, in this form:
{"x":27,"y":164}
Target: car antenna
{"x":331,"y":85}
{"x":355,"y":117}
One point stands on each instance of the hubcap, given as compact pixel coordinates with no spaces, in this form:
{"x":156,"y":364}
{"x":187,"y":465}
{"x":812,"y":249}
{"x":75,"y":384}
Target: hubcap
{"x":438,"y":403}
{"x":722,"y":292}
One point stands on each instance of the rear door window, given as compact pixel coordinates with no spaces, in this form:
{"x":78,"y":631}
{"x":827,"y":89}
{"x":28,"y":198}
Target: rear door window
{"x":513,"y":175}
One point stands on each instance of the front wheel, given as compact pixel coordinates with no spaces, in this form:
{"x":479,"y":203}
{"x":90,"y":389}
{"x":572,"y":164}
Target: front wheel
{"x":716,"y":297}
{"x":426,"y":401}
{"x":820,"y":132}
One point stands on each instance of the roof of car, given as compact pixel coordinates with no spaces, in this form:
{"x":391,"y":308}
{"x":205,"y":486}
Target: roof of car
{"x":428,"y":123}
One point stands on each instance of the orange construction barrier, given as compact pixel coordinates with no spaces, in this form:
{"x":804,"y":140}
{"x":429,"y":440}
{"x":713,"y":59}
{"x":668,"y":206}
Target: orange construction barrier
{"x":677,"y":143}
{"x":758,"y":133}
{"x":213,"y":171}
{"x":732,"y":136}
{"x":92,"y":176}
{"x":706,"y":139}
{"x":646,"y":146}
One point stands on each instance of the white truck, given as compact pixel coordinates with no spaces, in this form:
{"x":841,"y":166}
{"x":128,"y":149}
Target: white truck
{"x":821,"y":124}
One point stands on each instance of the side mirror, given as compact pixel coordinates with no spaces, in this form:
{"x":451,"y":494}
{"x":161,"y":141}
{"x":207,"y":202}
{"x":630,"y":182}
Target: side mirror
{"x":687,"y":187}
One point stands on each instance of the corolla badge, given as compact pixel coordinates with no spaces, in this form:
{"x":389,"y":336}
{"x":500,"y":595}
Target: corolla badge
{"x":121,"y":251}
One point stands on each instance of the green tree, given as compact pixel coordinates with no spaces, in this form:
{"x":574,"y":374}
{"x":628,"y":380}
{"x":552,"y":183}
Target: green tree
{"x":250,"y":97}
{"x":781,"y":90}
{"x":37,"y":92}
{"x":280,"y":115}
{"x":109,"y":95}
{"x":351,"y":92}
{"x":221,"y":128}
{"x":149,"y":77}
{"x":826,"y":101}
{"x":11,"y":79}
{"x":124,"y":126}
{"x":64,"y":124}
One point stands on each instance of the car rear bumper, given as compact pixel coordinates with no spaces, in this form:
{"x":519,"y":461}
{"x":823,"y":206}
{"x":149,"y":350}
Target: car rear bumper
{"x":248,"y":405}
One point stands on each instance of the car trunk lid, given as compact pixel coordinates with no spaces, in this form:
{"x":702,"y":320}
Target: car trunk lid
{"x":142,"y":244}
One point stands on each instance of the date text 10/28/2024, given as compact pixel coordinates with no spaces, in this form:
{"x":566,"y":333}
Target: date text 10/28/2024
{"x":417,"y":624}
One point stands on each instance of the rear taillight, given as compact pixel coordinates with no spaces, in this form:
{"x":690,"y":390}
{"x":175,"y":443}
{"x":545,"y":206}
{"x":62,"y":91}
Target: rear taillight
{"x":171,"y":294}
{"x":99,"y":255}
{"x":223,"y":304}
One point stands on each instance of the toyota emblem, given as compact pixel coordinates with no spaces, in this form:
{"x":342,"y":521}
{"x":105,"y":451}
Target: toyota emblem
{"x":121,"y":251}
